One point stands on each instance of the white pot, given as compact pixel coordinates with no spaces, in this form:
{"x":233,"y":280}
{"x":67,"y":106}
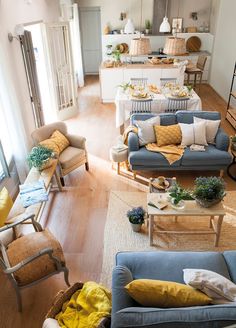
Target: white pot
{"x":129,"y":27}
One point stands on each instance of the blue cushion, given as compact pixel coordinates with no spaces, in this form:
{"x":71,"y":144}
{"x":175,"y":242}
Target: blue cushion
{"x":187,"y":116}
{"x":169,"y":265}
{"x":213,"y":316}
{"x":166,"y":118}
{"x":230,"y":258}
{"x":210,"y":157}
{"x":147,"y":158}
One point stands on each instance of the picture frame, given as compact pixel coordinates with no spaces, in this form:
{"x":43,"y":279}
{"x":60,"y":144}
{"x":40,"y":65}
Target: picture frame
{"x":177,"y":24}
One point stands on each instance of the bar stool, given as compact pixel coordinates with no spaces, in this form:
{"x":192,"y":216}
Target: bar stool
{"x":197,"y":71}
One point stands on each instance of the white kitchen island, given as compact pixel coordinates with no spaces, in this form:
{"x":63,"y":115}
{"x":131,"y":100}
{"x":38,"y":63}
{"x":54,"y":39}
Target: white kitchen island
{"x":111,"y":78}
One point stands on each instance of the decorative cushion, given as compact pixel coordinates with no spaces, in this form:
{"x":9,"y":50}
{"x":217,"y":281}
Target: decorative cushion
{"x":71,"y":156}
{"x":219,"y":288}
{"x":158,"y":293}
{"x":193,"y":134}
{"x":57,"y":142}
{"x":212,"y":127}
{"x":5,"y":205}
{"x":29,"y":245}
{"x":146,"y":132}
{"x":168,"y":135}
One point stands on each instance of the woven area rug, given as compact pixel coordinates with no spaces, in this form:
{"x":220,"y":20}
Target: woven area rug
{"x":118,"y":235}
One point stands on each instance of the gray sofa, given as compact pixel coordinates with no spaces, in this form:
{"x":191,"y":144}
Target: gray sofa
{"x":216,"y":157}
{"x":169,"y":266}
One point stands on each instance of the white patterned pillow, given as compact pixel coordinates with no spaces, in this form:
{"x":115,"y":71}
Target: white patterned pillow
{"x":212,"y":127}
{"x":146,"y":132}
{"x":193,"y":134}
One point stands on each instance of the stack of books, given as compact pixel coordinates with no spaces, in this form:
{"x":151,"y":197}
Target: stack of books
{"x":33,"y":193}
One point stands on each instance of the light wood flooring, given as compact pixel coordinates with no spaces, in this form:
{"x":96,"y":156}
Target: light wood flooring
{"x":77,"y":215}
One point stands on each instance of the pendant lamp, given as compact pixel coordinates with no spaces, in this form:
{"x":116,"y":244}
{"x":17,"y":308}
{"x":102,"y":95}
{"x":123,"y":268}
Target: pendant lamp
{"x":140,"y":46}
{"x":165,"y":25}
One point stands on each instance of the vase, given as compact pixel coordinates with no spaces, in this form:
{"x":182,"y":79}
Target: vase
{"x":129,"y":27}
{"x":136,"y":227}
{"x":208,"y":203}
{"x":179,"y":206}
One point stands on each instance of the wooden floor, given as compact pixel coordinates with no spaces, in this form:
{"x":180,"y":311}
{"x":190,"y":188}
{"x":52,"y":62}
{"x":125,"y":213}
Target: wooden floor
{"x":77,"y":215}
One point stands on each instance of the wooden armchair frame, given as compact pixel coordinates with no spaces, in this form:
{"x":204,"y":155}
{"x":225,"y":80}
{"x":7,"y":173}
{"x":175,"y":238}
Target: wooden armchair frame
{"x":10,"y":270}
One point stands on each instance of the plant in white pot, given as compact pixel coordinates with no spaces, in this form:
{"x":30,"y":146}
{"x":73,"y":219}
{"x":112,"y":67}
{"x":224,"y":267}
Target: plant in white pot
{"x":136,"y":218}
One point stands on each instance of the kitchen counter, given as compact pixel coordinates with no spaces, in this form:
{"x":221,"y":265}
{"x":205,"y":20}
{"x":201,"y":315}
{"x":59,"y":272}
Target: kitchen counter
{"x":140,"y":66}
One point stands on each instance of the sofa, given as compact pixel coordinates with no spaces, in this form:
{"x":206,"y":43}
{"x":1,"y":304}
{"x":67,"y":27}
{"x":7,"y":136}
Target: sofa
{"x":215,"y":157}
{"x":169,"y":266}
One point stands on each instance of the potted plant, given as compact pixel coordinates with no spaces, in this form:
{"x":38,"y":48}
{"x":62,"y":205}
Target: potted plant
{"x":178,"y":195}
{"x":116,"y":55}
{"x":209,"y":191}
{"x":147,"y":26}
{"x":233,"y":139}
{"x":136,"y":218}
{"x":40,"y":157}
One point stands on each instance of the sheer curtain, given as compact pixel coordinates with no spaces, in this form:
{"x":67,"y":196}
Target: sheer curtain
{"x":12,"y":127}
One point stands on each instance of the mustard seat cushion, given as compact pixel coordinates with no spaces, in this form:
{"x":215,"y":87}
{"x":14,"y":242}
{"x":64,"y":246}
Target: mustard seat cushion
{"x":57,"y":142}
{"x":167,"y":294}
{"x":168,"y":135}
{"x":5,"y":205}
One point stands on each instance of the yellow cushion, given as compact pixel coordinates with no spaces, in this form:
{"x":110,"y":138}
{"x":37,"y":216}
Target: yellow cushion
{"x":157,"y":293}
{"x":57,"y":142}
{"x":5,"y":205}
{"x":168,"y":135}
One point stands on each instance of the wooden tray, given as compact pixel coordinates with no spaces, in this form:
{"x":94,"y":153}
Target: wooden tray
{"x":193,"y":44}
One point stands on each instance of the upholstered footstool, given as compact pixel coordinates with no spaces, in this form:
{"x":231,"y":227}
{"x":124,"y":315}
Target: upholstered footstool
{"x":118,"y":157}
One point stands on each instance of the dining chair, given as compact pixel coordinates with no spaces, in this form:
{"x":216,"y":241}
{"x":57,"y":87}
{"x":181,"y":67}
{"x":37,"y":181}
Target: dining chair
{"x":139,"y":81}
{"x":164,"y":81}
{"x":175,"y":104}
{"x":197,"y":71}
{"x":30,"y":258}
{"x":141,"y":106}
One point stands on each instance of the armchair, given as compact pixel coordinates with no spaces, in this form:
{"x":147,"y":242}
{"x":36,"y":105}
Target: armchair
{"x":25,"y":266}
{"x":73,"y":156}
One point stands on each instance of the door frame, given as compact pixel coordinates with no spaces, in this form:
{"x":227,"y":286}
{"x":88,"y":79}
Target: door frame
{"x":92,"y":8}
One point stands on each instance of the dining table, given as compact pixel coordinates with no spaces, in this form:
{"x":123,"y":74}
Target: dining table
{"x":123,"y":102}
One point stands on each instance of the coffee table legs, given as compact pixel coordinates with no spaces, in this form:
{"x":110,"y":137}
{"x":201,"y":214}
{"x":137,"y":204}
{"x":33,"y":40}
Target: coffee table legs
{"x":151,"y":223}
{"x":218,"y":229}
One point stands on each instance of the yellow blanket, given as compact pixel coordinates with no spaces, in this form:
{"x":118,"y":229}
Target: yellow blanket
{"x":172,"y":153}
{"x":86,"y":307}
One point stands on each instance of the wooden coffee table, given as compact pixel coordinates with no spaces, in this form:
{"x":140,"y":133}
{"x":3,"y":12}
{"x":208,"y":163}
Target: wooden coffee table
{"x":216,"y":214}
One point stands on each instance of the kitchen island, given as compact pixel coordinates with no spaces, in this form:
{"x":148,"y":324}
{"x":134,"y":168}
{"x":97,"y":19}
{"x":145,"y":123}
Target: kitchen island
{"x":111,"y":78}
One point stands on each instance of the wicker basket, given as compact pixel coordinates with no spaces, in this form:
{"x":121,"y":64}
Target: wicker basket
{"x":206,"y":204}
{"x":175,"y":46}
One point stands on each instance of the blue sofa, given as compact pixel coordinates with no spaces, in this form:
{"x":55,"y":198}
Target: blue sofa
{"x":169,"y":266}
{"x":216,"y":157}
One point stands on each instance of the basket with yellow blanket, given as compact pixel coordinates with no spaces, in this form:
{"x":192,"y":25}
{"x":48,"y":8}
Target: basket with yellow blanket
{"x":85,"y":305}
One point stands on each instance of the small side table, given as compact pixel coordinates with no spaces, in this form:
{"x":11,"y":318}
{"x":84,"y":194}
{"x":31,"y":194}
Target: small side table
{"x":232,"y":165}
{"x":118,"y":157}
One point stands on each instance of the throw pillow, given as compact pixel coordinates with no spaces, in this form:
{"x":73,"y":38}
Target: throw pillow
{"x":57,"y":142}
{"x":146,"y":132}
{"x":193,"y":134}
{"x":168,"y":135}
{"x":219,"y":288}
{"x":212,"y":127}
{"x":5,"y":205}
{"x":157,"y":293}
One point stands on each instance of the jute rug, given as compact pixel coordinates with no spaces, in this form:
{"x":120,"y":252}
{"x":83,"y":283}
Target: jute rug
{"x":118,"y":235}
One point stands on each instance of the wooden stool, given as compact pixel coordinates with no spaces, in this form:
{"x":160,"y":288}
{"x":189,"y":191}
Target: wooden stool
{"x":197,"y":71}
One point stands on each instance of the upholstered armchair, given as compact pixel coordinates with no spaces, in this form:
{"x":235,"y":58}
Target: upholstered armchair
{"x":31,"y":258}
{"x":71,"y":157}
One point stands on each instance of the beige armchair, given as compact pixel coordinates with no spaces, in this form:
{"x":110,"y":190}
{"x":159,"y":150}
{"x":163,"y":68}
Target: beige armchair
{"x":73,"y":156}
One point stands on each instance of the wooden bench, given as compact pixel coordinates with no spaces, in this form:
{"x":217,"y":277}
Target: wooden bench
{"x":18,"y":211}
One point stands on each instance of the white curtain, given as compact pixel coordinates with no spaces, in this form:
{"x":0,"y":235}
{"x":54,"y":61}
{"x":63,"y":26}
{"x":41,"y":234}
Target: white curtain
{"x":76,"y":46}
{"x":14,"y":139}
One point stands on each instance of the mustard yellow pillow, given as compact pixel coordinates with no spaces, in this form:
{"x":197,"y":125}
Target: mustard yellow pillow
{"x":57,"y":142}
{"x":168,"y":135}
{"x":157,"y":293}
{"x":5,"y":205}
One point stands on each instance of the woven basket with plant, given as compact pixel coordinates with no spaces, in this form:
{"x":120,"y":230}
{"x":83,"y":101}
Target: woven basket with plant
{"x":40,"y":157}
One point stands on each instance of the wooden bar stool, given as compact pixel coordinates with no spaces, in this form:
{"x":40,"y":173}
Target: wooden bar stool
{"x":197,"y":71}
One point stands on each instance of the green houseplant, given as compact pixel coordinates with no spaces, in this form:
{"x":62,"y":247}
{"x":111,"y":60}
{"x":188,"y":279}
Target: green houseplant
{"x":147,"y":26}
{"x":209,"y":191}
{"x":40,"y":157}
{"x":178,"y":195}
{"x":136,"y":218}
{"x":233,"y":139}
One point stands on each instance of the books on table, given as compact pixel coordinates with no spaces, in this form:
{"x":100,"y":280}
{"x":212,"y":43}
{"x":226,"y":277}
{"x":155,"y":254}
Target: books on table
{"x":33,"y":193}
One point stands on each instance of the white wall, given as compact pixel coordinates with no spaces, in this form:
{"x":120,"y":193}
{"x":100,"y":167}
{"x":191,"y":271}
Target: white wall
{"x":110,"y":11}
{"x":215,"y":7}
{"x":224,"y":52}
